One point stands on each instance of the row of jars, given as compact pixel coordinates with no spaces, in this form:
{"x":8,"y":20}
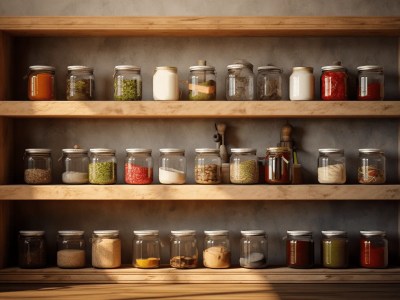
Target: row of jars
{"x":241,"y":83}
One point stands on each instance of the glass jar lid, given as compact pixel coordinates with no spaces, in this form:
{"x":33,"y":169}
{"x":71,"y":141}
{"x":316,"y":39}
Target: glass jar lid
{"x":278,"y":149}
{"x":145,"y":232}
{"x":75,"y":151}
{"x":71,"y":232}
{"x":331,"y":150}
{"x":207,"y":150}
{"x":113,"y":233}
{"x":370,"y":233}
{"x":270,"y":68}
{"x":252,"y":232}
{"x":138,"y":150}
{"x":127,"y":68}
{"x":172,"y":150}
{"x":244,"y":150}
{"x":334,"y":233}
{"x":308,"y":69}
{"x":38,"y":151}
{"x":183,"y":232}
{"x":216,"y":232}
{"x":173,"y":69}
{"x":372,"y":68}
{"x":371,"y":151}
{"x":299,"y":233}
{"x":42,"y":68}
{"x":80,"y":68}
{"x":32,"y":232}
{"x":102,"y":151}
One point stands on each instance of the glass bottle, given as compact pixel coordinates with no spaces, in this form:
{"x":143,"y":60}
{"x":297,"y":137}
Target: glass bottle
{"x":41,"y":83}
{"x":166,"y":83}
{"x":106,"y":249}
{"x":240,"y":81}
{"x":299,"y":249}
{"x":334,"y":83}
{"x":207,"y":166}
{"x":102,"y":166}
{"x":172,"y":166}
{"x":370,"y":83}
{"x":301,"y":84}
{"x":138,"y":166}
{"x":331,"y":166}
{"x":278,"y":164}
{"x":38,"y":166}
{"x":371,"y":166}
{"x":202,"y":82}
{"x":217,"y":250}
{"x":31,"y":249}
{"x":335,"y":249}
{"x":71,"y":249}
{"x":76,"y":166}
{"x":244,"y":166}
{"x":373,"y":249}
{"x":269,"y":83}
{"x":127,"y":83}
{"x":184,"y":251}
{"x":80,"y":83}
{"x":253,"y":249}
{"x":146,"y":249}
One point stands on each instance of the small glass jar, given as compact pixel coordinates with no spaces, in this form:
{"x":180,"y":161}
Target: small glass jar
{"x":244,"y":166}
{"x":207,"y":166}
{"x":331,"y":166}
{"x":172,"y":166}
{"x":102,"y":166}
{"x":278,"y":164}
{"x":334,"y":83}
{"x":138,"y":166}
{"x":335,"y":249}
{"x":253,"y":249}
{"x":166,"y":83}
{"x":106,"y":249}
{"x":373,"y":249}
{"x":240,"y":81}
{"x":269,"y":83}
{"x":127,"y":83}
{"x":299,"y":249}
{"x":80,"y":83}
{"x":146,"y":249}
{"x":370,"y":83}
{"x":301,"y":84}
{"x":41,"y":83}
{"x":38,"y":165}
{"x":76,"y":166}
{"x":31,"y":249}
{"x":217,"y":249}
{"x":71,"y":249}
{"x":371,"y":166}
{"x":202,"y":82}
{"x":184,"y":251}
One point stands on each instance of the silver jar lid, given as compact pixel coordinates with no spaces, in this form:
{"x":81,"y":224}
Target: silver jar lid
{"x":336,"y":233}
{"x":42,"y":68}
{"x":269,"y":68}
{"x":331,"y":150}
{"x":32,"y":232}
{"x":244,"y":150}
{"x":299,"y":233}
{"x":333,"y":68}
{"x":372,"y":68}
{"x":127,"y":68}
{"x":370,"y":233}
{"x":278,"y":149}
{"x":252,"y":232}
{"x":202,"y":68}
{"x":172,"y":150}
{"x":80,"y":68}
{"x":102,"y":151}
{"x":183,"y":232}
{"x":138,"y":150}
{"x":173,"y":69}
{"x":102,"y":233}
{"x":308,"y":69}
{"x":371,"y":151}
{"x":38,"y":150}
{"x":71,"y":232}
{"x":75,"y":151}
{"x":216,"y":232}
{"x":207,"y":150}
{"x":244,"y":62}
{"x":145,"y":232}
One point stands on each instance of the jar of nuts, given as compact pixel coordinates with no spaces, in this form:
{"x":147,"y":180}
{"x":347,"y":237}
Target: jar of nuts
{"x":207,"y":166}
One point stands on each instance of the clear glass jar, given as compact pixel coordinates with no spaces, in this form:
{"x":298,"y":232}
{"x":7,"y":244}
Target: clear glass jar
{"x":166,"y":83}
{"x":184,"y":251}
{"x":370,"y":83}
{"x":269,"y":83}
{"x":71,"y":249}
{"x":334,"y":83}
{"x":244,"y":166}
{"x":207,"y":166}
{"x":299,"y":249}
{"x":253,"y":249}
{"x":240,"y":82}
{"x":31,"y":249}
{"x":172,"y":166}
{"x":371,"y":166}
{"x":41,"y":83}
{"x":102,"y":166}
{"x":335,"y":249}
{"x":278,"y":164}
{"x":146,"y":249}
{"x":331,"y":166}
{"x":202,"y":82}
{"x":76,"y":166}
{"x":138,"y":166}
{"x":106,"y":249}
{"x":373,"y":249}
{"x":127,"y":83}
{"x":80,"y":83}
{"x":38,"y":165}
{"x":217,"y":249}
{"x":301,"y":84}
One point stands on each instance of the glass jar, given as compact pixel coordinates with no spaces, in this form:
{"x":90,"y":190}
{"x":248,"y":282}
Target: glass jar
{"x":106,"y":249}
{"x":373,"y":249}
{"x":240,"y":81}
{"x":165,"y":83}
{"x":76,"y":166}
{"x":31,"y":249}
{"x":172,"y":166}
{"x":102,"y":166}
{"x":269,"y":83}
{"x":127,"y":83}
{"x":334,"y":83}
{"x":202,"y":82}
{"x":253,"y":249}
{"x":217,"y":249}
{"x":331,"y":166}
{"x":146,"y":249}
{"x":371,"y":166}
{"x":71,"y":249}
{"x":335,"y":249}
{"x":38,"y":165}
{"x":299,"y":249}
{"x":41,"y":83}
{"x":278,"y":165}
{"x":301,"y":84}
{"x":207,"y":166}
{"x":370,"y":83}
{"x":244,"y":166}
{"x":80,"y":83}
{"x":138,"y":166}
{"x":184,"y":251}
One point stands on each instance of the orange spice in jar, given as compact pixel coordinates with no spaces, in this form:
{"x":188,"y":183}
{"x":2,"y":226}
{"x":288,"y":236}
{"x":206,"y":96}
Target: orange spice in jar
{"x":41,"y":83}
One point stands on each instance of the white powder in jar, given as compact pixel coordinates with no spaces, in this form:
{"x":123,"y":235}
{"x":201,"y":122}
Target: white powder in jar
{"x":171,"y":176}
{"x":333,"y":174}
{"x":71,"y":177}
{"x":106,"y":253}
{"x":71,"y":258}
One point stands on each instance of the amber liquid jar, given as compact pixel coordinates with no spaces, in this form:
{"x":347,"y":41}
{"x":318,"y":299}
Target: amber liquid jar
{"x":278,"y":165}
{"x":299,"y":249}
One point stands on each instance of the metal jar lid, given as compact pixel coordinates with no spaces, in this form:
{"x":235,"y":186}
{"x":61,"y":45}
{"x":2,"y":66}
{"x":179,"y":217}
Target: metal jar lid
{"x":102,"y":151}
{"x":127,"y":68}
{"x":252,"y":232}
{"x":235,"y":66}
{"x":102,"y":233}
{"x":172,"y":150}
{"x":183,"y":232}
{"x":71,"y":232}
{"x":299,"y":233}
{"x":278,"y":149}
{"x":32,"y":232}
{"x":216,"y":232}
{"x":173,"y":69}
{"x":333,"y":68}
{"x":371,"y":151}
{"x":202,"y":68}
{"x":207,"y":150}
{"x":371,"y":233}
{"x":38,"y":151}
{"x":75,"y":151}
{"x":138,"y":150}
{"x":42,"y":68}
{"x":145,"y":232}
{"x":244,"y":62}
{"x":244,"y":150}
{"x":80,"y":68}
{"x":308,"y":69}
{"x":331,"y":151}
{"x":334,"y":233}
{"x":269,"y":68}
{"x":372,"y":68}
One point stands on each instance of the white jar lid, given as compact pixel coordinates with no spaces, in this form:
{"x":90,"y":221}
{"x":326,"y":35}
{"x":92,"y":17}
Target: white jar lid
{"x":333,"y":68}
{"x":331,"y":150}
{"x":183,"y":232}
{"x":145,"y":232}
{"x":372,"y":233}
{"x":299,"y":232}
{"x":106,"y":232}
{"x":330,"y":233}
{"x":71,"y":232}
{"x":102,"y":151}
{"x":172,"y":150}
{"x":138,"y":150}
{"x":202,"y":68}
{"x":38,"y":150}
{"x":216,"y":232}
{"x":80,"y":68}
{"x":32,"y":232}
{"x":371,"y":151}
{"x":373,"y":68}
{"x":173,"y":69}
{"x":76,"y":151}
{"x":269,"y":68}
{"x":207,"y":150}
{"x":127,"y":68}
{"x":244,"y":150}
{"x":252,"y":232}
{"x":42,"y":68}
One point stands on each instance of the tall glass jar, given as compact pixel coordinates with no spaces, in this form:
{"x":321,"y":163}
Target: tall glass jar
{"x":76,"y":166}
{"x":244,"y":166}
{"x":165,"y":83}
{"x":80,"y":83}
{"x":71,"y":249}
{"x":331,"y":166}
{"x":207,"y":166}
{"x":240,"y":82}
{"x":299,"y":249}
{"x":334,"y":83}
{"x":370,"y":83}
{"x":127,"y":83}
{"x":41,"y":83}
{"x":253,"y":249}
{"x":146,"y":249}
{"x":184,"y":251}
{"x":106,"y":249}
{"x":371,"y":166}
{"x":38,"y":165}
{"x":102,"y":166}
{"x":138,"y":166}
{"x":301,"y":84}
{"x":269,"y":83}
{"x":172,"y":166}
{"x":335,"y":249}
{"x":373,"y":249}
{"x":202,"y":82}
{"x":31,"y":249}
{"x":217,"y":249}
{"x":278,"y":164}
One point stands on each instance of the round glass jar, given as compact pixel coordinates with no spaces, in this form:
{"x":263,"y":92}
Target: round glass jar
{"x":184,"y":251}
{"x":371,"y":166}
{"x":334,"y":83}
{"x":301,"y":84}
{"x":253,"y":249}
{"x":80,"y":83}
{"x":335,"y":249}
{"x":331,"y":166}
{"x":207,"y":166}
{"x":127,"y":83}
{"x":217,"y":249}
{"x":370,"y":83}
{"x":240,"y":82}
{"x":244,"y":166}
{"x":269,"y":83}
{"x":41,"y":83}
{"x":138,"y":166}
{"x":373,"y":249}
{"x":165,"y":83}
{"x":102,"y":166}
{"x":299,"y":249}
{"x":172,"y":166}
{"x":146,"y":249}
{"x":31,"y":249}
{"x":76,"y":166}
{"x":71,"y":249}
{"x":38,"y":165}
{"x":278,"y":165}
{"x":106,"y":249}
{"x":202,"y":82}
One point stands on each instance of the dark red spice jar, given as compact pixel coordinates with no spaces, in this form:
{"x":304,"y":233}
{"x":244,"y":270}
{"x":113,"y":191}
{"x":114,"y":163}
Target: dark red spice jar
{"x":138,"y":166}
{"x":278,"y":165}
{"x":370,"y":84}
{"x":299,"y":249}
{"x":373,"y":249}
{"x":334,"y":83}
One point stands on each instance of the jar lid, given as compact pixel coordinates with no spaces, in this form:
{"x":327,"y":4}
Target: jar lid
{"x":42,"y":68}
{"x":183,"y":232}
{"x":299,"y":233}
{"x":80,"y":68}
{"x":339,"y":233}
{"x":174,"y":69}
{"x":76,"y":151}
{"x":370,"y":68}
{"x":278,"y":149}
{"x":127,"y":68}
{"x":368,"y":233}
{"x":244,"y":62}
{"x":252,"y":232}
{"x":371,"y":151}
{"x":106,"y":232}
{"x":202,"y":68}
{"x":333,"y":68}
{"x":235,"y":66}
{"x":71,"y":232}
{"x":244,"y":150}
{"x":269,"y":68}
{"x":216,"y":232}
{"x":331,"y":150}
{"x":172,"y":150}
{"x":207,"y":150}
{"x":38,"y":150}
{"x":145,"y":232}
{"x":309,"y":69}
{"x":32,"y":232}
{"x":102,"y":150}
{"x":138,"y":150}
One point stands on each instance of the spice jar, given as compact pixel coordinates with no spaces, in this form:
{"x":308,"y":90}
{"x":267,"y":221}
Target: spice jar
{"x":41,"y":83}
{"x":334,"y":83}
{"x":335,"y":249}
{"x":253,"y":249}
{"x":299,"y":249}
{"x":202,"y":82}
{"x":207,"y":166}
{"x":80,"y":83}
{"x":138,"y":166}
{"x":71,"y":249}
{"x":165,"y":83}
{"x":172,"y":166}
{"x":31,"y":249}
{"x":269,"y":83}
{"x":278,"y":165}
{"x":244,"y":166}
{"x":240,"y":81}
{"x":217,"y":250}
{"x":373,"y":249}
{"x":370,"y":83}
{"x":127,"y":83}
{"x":331,"y":166}
{"x":301,"y":84}
{"x":102,"y":166}
{"x":371,"y":166}
{"x":146,"y":249}
{"x":38,"y":165}
{"x":106,"y":249}
{"x":76,"y":166}
{"x":184,"y":251}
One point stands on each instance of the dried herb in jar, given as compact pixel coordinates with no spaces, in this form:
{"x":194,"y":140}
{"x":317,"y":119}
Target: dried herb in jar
{"x":79,"y":89}
{"x":102,"y":172}
{"x":127,"y":89}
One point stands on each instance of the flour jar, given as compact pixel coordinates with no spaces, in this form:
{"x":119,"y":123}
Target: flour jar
{"x":165,"y":83}
{"x":76,"y":166}
{"x":253,"y":249}
{"x":331,"y":166}
{"x":301,"y":84}
{"x":172,"y":166}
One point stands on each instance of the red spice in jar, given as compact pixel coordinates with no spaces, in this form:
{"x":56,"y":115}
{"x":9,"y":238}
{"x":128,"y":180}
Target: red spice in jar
{"x":372,"y":92}
{"x":135,"y":174}
{"x":334,"y":85}
{"x":372,"y":255}
{"x":299,"y":254}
